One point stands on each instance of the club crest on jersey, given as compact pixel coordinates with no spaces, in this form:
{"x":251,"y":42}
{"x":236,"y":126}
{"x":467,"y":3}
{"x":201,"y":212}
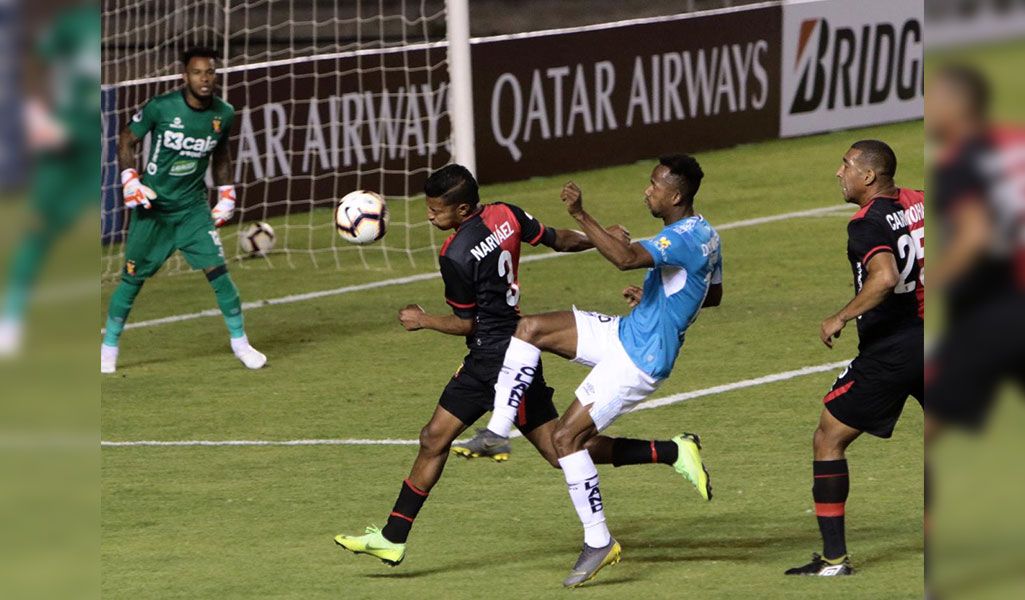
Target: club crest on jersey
{"x":177,"y":123}
{"x":216,"y":124}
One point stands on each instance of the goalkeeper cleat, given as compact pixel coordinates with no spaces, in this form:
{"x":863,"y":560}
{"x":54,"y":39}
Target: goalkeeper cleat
{"x":486,"y":444}
{"x":591,"y":561}
{"x":250,"y":357}
{"x":373,"y":543}
{"x":822,"y":567}
{"x":688,"y":463}
{"x":108,"y":359}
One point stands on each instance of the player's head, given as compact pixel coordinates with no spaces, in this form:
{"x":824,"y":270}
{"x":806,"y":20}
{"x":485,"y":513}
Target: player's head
{"x":867,"y":167}
{"x":452,"y":196}
{"x":199,"y":70}
{"x":674,"y":182}
{"x":957,"y":102}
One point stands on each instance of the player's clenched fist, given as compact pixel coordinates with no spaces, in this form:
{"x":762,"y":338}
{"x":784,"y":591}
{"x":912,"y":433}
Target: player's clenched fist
{"x":135,"y":193}
{"x":572,"y":198}
{"x":225,"y":206}
{"x":410,"y":317}
{"x":633,"y":295}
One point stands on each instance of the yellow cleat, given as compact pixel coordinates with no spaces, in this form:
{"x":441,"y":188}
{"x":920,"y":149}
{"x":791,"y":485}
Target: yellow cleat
{"x":484,"y":445}
{"x":373,"y":543}
{"x":688,"y":463}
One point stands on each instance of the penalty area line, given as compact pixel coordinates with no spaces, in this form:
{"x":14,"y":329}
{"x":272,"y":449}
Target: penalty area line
{"x":647,"y":405}
{"x":290,"y":299}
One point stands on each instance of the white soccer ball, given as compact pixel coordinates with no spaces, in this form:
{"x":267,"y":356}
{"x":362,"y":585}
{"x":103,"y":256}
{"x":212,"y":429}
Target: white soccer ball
{"x":361,"y":217}
{"x":258,"y":239}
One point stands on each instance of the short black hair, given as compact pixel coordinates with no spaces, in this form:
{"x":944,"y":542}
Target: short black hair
{"x":686,"y":168}
{"x":970,"y":83}
{"x":200,"y":51}
{"x":877,"y":155}
{"x":454,"y":184}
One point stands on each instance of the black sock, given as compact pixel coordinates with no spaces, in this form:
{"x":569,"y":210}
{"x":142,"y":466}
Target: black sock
{"x":830,"y":490}
{"x":638,"y":452}
{"x":400,"y":521}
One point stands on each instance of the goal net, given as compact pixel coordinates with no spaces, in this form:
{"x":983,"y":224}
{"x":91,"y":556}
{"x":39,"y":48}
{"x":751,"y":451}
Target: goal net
{"x":330,"y":97}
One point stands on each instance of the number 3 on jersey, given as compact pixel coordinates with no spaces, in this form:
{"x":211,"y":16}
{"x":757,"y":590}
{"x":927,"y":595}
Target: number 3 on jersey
{"x":505,"y":269}
{"x":912,"y":249}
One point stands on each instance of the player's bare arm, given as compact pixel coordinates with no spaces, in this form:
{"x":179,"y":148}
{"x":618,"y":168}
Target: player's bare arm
{"x":618,"y":251}
{"x":882,"y":277}
{"x":413,"y":317}
{"x":971,"y":234}
{"x":221,"y":165}
{"x":126,"y":143}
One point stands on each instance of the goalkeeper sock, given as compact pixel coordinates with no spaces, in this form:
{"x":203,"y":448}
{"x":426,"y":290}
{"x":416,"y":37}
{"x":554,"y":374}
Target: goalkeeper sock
{"x":638,"y":452}
{"x":25,"y":267}
{"x":411,"y":499}
{"x":518,"y":369}
{"x":227,"y":300}
{"x":120,"y":305}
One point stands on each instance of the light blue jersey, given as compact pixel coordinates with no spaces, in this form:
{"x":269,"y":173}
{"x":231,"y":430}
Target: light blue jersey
{"x":687,"y":261}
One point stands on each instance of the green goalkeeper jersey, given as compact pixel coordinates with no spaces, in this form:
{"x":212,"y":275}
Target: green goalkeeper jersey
{"x":183,"y":138}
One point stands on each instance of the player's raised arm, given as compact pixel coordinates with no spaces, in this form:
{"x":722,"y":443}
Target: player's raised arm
{"x":611,"y":242}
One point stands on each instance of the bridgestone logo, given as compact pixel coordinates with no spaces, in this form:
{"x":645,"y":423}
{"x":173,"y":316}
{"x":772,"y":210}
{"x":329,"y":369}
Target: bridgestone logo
{"x":849,"y":66}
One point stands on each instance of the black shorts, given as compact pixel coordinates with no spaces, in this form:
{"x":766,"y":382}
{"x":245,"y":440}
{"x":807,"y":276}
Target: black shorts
{"x":869,"y":394}
{"x":981,"y":351}
{"x":471,"y":393}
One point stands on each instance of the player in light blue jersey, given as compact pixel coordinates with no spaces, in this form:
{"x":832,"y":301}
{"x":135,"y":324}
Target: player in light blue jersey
{"x":631,"y":355}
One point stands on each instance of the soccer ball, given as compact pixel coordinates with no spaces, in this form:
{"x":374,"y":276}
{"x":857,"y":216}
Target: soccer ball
{"x":361,"y":217}
{"x":258,"y":239}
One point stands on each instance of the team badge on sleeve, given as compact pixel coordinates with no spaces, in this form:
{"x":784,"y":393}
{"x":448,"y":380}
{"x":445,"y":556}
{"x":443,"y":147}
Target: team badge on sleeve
{"x":663,"y":243}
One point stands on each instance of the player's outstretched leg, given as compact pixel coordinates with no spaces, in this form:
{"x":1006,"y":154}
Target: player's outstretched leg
{"x":231,"y":308}
{"x":551,"y":332}
{"x":830,"y":488}
{"x":389,"y":544}
{"x":117,"y":315}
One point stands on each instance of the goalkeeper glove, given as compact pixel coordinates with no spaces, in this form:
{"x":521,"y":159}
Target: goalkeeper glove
{"x":134,"y":191}
{"x":225,"y":206}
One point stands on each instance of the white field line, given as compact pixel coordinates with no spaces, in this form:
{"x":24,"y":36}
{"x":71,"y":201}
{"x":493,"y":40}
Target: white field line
{"x":655,"y":403}
{"x":246,"y":306}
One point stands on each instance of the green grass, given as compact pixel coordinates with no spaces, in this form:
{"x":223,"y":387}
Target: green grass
{"x":257,"y":522}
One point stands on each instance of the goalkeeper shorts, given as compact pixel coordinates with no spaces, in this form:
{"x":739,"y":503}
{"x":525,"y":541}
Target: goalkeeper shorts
{"x":153,"y":237}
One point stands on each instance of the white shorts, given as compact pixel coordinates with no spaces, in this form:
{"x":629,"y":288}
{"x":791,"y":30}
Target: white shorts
{"x":615,"y":385}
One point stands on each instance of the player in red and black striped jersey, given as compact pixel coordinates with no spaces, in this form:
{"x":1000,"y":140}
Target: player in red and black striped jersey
{"x":480,"y":266}
{"x":979,"y":182}
{"x":886,"y":248}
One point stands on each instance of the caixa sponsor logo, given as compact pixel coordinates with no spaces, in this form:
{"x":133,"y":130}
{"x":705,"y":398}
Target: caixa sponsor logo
{"x":851,"y":66}
{"x":189,"y":146}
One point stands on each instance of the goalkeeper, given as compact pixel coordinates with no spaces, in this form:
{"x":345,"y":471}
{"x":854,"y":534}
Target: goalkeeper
{"x":169,"y":209}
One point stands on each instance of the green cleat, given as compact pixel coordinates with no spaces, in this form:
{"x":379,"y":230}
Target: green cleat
{"x":485,"y":444}
{"x":374,"y":544}
{"x":688,"y":463}
{"x":591,"y":561}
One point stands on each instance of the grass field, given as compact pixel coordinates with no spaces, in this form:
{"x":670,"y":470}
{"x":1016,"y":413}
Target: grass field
{"x":234,"y":522}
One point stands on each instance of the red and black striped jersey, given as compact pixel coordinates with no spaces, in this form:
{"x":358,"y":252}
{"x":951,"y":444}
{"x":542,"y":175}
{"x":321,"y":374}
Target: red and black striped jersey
{"x":894,"y":225}
{"x":480,"y":266}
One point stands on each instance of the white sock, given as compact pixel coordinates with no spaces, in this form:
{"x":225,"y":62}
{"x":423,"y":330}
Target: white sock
{"x":582,"y":480}
{"x":517,"y":373}
{"x":239,"y":344}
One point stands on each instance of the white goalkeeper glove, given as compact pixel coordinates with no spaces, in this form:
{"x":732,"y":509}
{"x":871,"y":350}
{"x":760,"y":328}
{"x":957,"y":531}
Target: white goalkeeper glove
{"x":135,"y":192}
{"x":225,"y":206}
